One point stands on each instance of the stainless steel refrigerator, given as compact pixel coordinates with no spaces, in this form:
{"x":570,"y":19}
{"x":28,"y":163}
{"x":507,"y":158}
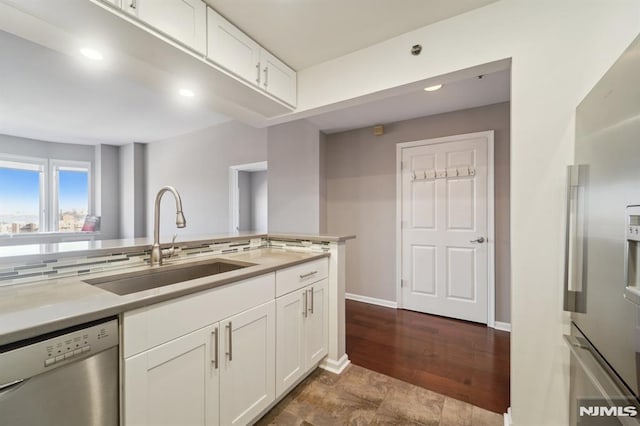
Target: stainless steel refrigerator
{"x":602,"y":274}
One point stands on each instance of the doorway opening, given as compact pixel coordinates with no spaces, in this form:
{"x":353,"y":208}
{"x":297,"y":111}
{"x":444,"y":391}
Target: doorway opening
{"x":248,"y":197}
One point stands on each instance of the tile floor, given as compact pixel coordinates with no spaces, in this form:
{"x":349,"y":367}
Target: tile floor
{"x":363,"y":397}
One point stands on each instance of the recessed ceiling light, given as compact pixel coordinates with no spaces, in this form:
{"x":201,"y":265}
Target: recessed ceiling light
{"x":433,"y":88}
{"x":186,"y":93}
{"x":92,"y":54}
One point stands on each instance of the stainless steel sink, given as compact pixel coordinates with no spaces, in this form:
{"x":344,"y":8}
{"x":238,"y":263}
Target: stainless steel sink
{"x":134,"y":282}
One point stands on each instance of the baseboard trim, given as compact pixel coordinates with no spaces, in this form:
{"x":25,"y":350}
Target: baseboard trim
{"x":504,"y":326}
{"x":371,"y":300}
{"x":507,"y":417}
{"x":333,"y":366}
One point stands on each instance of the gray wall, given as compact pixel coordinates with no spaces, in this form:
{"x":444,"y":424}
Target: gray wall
{"x":107,"y":199}
{"x":244,"y":201}
{"x":361,"y":195}
{"x":259,"y":201}
{"x":132,"y":191}
{"x":197,"y":164}
{"x":294,"y":178}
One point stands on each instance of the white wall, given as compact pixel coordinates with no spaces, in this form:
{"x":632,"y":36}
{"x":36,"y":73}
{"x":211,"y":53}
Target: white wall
{"x":559,"y":49}
{"x":294,"y":178}
{"x":259,"y":201}
{"x":197,"y":164}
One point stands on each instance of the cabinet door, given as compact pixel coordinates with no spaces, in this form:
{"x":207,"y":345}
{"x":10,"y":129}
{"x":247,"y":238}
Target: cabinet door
{"x":173,"y":384}
{"x":247,"y":376}
{"x":290,"y":347}
{"x":316,"y":327}
{"x":183,"y":20}
{"x":232,"y":49}
{"x":277,"y":78}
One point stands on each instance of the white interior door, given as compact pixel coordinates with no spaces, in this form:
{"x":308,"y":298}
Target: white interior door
{"x":445,"y":226}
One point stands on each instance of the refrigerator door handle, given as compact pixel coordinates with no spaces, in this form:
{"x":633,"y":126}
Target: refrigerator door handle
{"x":574,"y":235}
{"x":607,"y":386}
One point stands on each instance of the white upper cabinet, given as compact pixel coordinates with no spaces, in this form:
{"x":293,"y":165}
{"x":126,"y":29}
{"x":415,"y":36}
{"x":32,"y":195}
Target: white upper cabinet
{"x":183,"y":20}
{"x":277,"y":78}
{"x":232,"y":49}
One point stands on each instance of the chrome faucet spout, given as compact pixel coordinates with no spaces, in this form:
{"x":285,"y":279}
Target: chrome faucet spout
{"x":181,"y":222}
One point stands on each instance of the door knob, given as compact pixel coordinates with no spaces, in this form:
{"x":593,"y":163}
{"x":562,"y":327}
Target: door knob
{"x":479,"y":240}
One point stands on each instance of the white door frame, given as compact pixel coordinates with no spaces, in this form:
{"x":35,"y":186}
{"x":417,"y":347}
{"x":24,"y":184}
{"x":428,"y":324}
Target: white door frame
{"x":491,"y":284}
{"x":234,"y":197}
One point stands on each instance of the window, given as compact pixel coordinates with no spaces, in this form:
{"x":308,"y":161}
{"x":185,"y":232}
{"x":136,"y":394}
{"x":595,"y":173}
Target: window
{"x":21,"y":196}
{"x":41,"y":195}
{"x":70,"y":196}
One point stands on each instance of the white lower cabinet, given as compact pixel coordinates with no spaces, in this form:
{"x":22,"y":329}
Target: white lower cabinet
{"x":301,"y":333}
{"x":223,"y":356}
{"x":247,"y":376}
{"x":175,"y":383}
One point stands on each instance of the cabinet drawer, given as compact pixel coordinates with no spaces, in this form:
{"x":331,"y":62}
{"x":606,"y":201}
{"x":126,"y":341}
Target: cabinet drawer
{"x":295,"y":277}
{"x":153,"y":325}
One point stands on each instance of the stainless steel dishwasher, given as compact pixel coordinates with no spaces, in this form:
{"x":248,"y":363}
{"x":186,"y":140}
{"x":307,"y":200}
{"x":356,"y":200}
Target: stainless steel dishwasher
{"x":68,"y":377}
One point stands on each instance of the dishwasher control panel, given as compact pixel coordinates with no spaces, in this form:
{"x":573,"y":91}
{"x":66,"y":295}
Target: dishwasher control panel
{"x":42,"y":353}
{"x":77,"y":344}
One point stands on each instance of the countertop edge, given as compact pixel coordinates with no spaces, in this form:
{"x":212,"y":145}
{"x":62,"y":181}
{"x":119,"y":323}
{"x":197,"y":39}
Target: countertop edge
{"x":117,"y":309}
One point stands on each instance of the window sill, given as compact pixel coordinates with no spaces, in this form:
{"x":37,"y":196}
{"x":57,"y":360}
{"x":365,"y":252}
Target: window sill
{"x":46,"y":237}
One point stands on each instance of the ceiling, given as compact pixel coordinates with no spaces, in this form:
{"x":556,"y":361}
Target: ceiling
{"x":307,"y":32}
{"x":462,"y":94}
{"x":52,"y":93}
{"x":50,"y":96}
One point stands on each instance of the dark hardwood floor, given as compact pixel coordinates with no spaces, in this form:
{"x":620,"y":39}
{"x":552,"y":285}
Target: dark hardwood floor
{"x":462,"y":360}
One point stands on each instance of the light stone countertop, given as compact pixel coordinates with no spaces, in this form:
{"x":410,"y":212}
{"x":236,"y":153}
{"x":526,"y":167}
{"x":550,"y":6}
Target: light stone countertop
{"x":29,"y":310}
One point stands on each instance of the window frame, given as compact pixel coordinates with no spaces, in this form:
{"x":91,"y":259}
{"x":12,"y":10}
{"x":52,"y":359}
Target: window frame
{"x":37,"y":164}
{"x":49,"y":185}
{"x":55,"y":166}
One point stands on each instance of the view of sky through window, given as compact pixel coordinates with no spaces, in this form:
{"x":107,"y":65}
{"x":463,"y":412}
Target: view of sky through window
{"x":73,"y":199}
{"x":19,"y":200}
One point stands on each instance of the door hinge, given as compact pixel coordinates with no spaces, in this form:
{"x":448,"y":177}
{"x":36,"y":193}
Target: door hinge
{"x":401,"y":283}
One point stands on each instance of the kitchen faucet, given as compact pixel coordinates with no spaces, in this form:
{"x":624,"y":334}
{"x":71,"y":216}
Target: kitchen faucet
{"x":156,"y":253}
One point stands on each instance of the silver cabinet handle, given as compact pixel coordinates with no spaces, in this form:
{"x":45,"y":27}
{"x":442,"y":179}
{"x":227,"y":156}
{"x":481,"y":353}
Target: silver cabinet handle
{"x":214,"y":356}
{"x":266,"y":77}
{"x":311,"y":302}
{"x":134,"y":4}
{"x":304,"y":310}
{"x":303,"y":276}
{"x":258,"y":73}
{"x":477,"y":241}
{"x":230,"y":351}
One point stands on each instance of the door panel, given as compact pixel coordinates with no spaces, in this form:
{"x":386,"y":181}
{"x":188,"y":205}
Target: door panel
{"x":424,"y":270}
{"x":174,"y":383}
{"x":444,"y":210}
{"x":182,"y":20}
{"x":232,"y":49}
{"x":317,"y":339}
{"x":247,"y":348}
{"x":289,"y":340}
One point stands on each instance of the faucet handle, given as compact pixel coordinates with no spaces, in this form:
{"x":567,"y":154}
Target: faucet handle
{"x":170,"y":251}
